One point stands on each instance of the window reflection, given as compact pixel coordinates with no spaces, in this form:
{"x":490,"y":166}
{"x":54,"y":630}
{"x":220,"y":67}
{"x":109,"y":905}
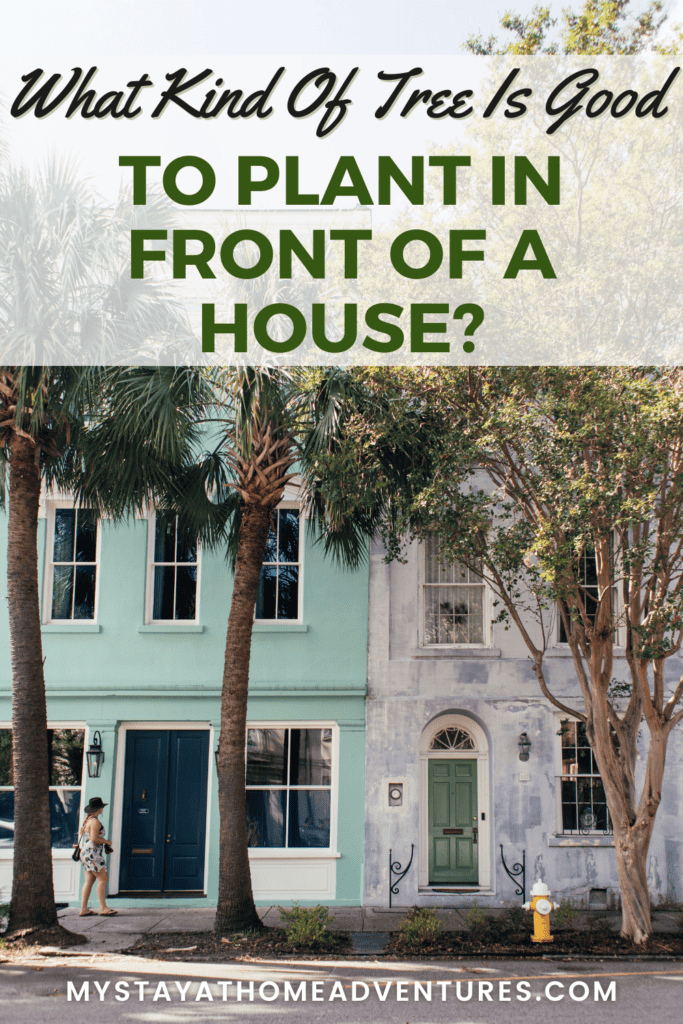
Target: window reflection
{"x":267,"y":756}
{"x":65,"y":767}
{"x":174,"y":596}
{"x":74,"y":568}
{"x":584,"y":804}
{"x":266,"y":817}
{"x":309,"y":818}
{"x":289,"y":780}
{"x":278,"y":593}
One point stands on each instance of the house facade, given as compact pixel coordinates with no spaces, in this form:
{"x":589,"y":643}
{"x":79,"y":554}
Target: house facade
{"x":134,"y":620}
{"x":454,"y":755}
{"x":464,"y":756}
{"x":134,"y":623}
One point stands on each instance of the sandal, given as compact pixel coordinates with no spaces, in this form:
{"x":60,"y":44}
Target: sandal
{"x":86,"y":913}
{"x":108,"y":913}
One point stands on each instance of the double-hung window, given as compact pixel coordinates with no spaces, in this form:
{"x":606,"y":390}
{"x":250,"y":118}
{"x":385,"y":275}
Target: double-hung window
{"x":72,"y":564}
{"x":65,"y":772}
{"x":279,"y":593}
{"x":582,"y":804}
{"x":289,"y":787}
{"x":453,"y":601}
{"x":172,"y":591}
{"x":587,"y":579}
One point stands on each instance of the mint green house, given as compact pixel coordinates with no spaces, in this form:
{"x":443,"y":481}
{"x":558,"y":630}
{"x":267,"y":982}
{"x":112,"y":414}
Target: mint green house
{"x":134,"y":622}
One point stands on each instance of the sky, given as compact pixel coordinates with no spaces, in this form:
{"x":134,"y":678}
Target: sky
{"x":193,"y":27}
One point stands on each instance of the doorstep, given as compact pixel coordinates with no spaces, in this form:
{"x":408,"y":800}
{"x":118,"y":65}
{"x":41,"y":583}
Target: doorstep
{"x":185,"y":894}
{"x":455,"y":890}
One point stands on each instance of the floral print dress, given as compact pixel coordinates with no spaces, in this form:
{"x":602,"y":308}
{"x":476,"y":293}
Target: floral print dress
{"x":92,"y":854}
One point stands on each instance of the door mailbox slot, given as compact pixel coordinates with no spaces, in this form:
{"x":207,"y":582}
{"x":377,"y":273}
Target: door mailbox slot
{"x":453,"y":831}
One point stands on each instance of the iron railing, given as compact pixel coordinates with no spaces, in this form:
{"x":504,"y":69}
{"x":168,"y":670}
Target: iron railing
{"x":397,"y":870}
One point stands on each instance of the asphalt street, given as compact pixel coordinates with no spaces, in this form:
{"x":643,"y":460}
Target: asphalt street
{"x":128,"y":990}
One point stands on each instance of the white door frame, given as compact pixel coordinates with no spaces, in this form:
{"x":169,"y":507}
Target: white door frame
{"x":480,"y":754}
{"x":117,"y":816}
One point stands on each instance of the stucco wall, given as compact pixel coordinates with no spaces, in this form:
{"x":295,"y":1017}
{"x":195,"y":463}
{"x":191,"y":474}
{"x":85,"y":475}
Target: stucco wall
{"x":309,"y":672}
{"x":409,"y":687}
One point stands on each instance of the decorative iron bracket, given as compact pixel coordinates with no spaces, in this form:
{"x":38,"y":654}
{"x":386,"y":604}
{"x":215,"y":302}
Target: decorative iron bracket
{"x":400,"y":872}
{"x":518,"y":871}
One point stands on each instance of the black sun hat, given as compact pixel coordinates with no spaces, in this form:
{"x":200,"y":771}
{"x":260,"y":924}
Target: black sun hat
{"x":96,"y":804}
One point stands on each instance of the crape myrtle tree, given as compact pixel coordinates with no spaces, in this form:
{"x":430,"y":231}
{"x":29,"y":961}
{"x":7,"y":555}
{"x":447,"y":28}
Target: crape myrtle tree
{"x":600,"y":27}
{"x":607,"y":297}
{"x":538,"y":470}
{"x":272,"y":425}
{"x":111,"y":436}
{"x":612,"y":183}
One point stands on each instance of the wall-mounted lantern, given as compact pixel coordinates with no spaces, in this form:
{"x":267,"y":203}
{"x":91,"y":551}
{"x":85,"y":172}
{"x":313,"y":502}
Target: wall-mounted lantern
{"x":95,"y":757}
{"x":524,"y":746}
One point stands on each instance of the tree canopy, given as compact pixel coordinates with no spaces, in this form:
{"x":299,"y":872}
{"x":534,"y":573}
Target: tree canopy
{"x":537,"y":474}
{"x":600,"y":27}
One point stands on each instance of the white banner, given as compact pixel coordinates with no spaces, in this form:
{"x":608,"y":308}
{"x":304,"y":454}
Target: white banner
{"x":420,"y":209}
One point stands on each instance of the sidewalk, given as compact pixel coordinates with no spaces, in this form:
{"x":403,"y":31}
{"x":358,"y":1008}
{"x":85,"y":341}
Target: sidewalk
{"x":109,"y":934}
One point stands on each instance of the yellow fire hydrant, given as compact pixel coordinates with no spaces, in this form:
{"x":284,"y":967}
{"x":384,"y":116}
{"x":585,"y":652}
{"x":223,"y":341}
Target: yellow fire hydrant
{"x":541,"y":906}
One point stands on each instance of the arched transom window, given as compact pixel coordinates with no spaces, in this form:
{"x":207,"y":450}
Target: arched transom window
{"x":452,"y":739}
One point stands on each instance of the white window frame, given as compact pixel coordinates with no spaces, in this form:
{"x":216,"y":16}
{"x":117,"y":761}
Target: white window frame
{"x":149,"y":586}
{"x":559,"y":775}
{"x":422,"y":588}
{"x":300,"y":604}
{"x":58,"y":852}
{"x":303,"y":852}
{"x":51,"y":507}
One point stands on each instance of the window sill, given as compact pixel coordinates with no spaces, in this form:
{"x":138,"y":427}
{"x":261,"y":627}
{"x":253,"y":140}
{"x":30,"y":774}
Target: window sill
{"x":291,"y":853}
{"x":571,"y":842}
{"x":70,"y":627}
{"x":58,"y":853}
{"x":171,"y":627}
{"x":280,"y":627}
{"x":454,"y":888}
{"x":457,"y":652}
{"x":564,"y":652}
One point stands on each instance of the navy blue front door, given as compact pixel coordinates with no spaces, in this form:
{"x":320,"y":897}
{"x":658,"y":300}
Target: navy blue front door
{"x":163,"y":835}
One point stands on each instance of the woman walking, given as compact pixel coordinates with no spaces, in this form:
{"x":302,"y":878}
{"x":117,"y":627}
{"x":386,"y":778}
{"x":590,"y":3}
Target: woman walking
{"x":93,"y":848}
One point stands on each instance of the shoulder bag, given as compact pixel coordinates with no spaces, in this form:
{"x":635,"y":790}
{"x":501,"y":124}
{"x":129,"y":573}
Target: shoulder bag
{"x":76,"y":855}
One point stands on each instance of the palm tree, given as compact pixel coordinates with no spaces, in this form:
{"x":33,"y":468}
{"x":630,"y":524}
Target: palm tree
{"x":260,"y":452}
{"x":275,"y":424}
{"x":114,"y":437}
{"x":111,"y":435}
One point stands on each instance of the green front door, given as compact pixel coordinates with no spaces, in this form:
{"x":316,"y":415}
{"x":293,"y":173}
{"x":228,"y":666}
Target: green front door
{"x":453,"y":822}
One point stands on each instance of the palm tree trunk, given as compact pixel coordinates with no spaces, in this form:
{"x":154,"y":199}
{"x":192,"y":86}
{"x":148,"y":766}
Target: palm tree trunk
{"x":33,"y":896}
{"x":236,"y":909}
